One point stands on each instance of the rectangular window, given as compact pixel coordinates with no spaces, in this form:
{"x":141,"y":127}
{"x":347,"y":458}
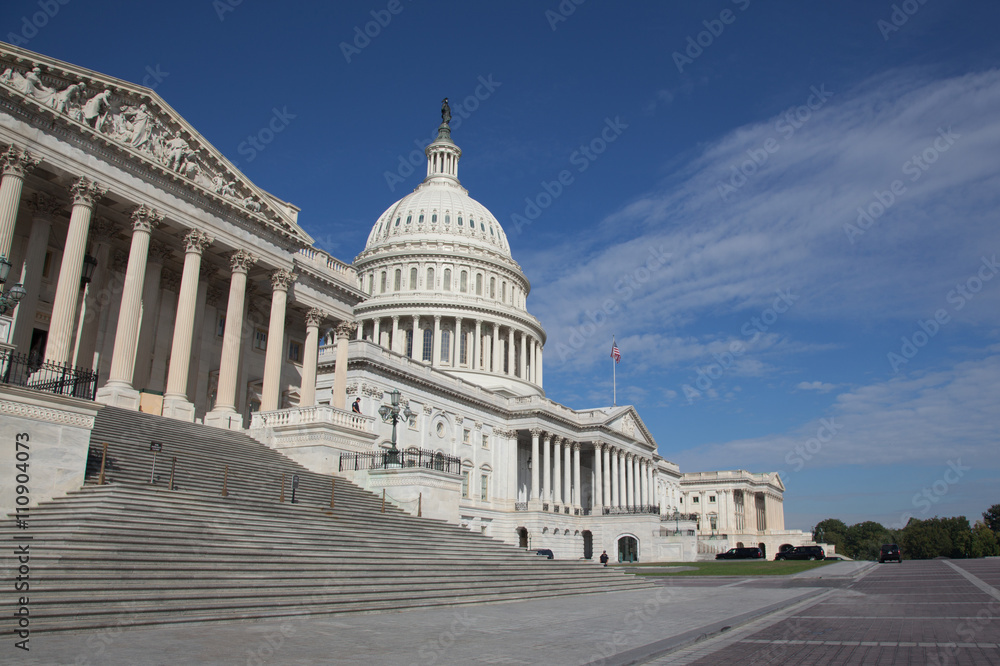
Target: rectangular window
{"x":714,"y":522}
{"x":294,"y":351}
{"x":428,"y":350}
{"x":711,"y":499}
{"x":220,"y":325}
{"x":461,"y":349}
{"x":465,"y":482}
{"x":465,"y":436}
{"x":486,"y":441}
{"x":445,"y":346}
{"x":409,"y":344}
{"x":397,"y":280}
{"x":695,"y":500}
{"x":260,"y":338}
{"x":485,"y":488}
{"x":464,"y":282}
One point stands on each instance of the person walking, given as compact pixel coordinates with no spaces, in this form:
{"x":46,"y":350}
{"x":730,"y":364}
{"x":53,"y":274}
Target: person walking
{"x":356,"y":407}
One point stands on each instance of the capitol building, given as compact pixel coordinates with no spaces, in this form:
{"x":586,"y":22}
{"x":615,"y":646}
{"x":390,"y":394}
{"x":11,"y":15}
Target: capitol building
{"x":158,"y":278}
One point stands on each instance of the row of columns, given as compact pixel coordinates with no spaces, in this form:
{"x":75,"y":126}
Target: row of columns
{"x":559,"y":480}
{"x":130,"y":328}
{"x":625,"y":479}
{"x":487,"y":353}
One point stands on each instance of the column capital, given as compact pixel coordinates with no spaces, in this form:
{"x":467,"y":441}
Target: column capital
{"x":197,"y":241}
{"x":17,"y":162}
{"x":535,"y":432}
{"x":599,"y":446}
{"x":44,"y":205}
{"x":315,"y":317}
{"x":145,"y":218}
{"x":86,"y":192}
{"x":395,"y":318}
{"x":346,"y":328}
{"x":241,"y":261}
{"x":437,"y":318}
{"x":281,"y":279}
{"x":576,"y":446}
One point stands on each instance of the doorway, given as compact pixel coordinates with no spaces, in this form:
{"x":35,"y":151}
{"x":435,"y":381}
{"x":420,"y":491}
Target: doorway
{"x":628,"y":549}
{"x":522,"y":537}
{"x":588,"y":545}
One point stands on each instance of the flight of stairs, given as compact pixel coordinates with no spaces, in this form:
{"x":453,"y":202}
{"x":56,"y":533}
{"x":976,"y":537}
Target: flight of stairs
{"x":135,"y":553}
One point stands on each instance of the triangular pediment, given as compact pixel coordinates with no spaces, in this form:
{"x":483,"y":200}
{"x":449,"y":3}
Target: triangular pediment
{"x":627,"y":421}
{"x":139,"y":124}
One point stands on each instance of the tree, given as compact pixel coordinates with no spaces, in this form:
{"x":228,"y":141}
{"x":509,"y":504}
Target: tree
{"x":992,"y":518}
{"x":925,"y":539}
{"x":960,"y":534}
{"x":984,"y":541}
{"x":864,"y":540}
{"x":832,"y":531}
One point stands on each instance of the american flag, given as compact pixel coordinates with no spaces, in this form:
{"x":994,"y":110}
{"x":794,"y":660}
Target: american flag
{"x":615,"y":354}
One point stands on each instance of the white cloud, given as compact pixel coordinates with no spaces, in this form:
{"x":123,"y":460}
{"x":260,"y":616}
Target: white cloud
{"x":822,"y":387}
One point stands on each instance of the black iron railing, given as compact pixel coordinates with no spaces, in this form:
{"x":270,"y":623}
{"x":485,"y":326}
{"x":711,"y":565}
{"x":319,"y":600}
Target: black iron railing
{"x":679,"y":516}
{"x":38,"y":375}
{"x":520,"y":506}
{"x":626,"y":510}
{"x":409,"y":458}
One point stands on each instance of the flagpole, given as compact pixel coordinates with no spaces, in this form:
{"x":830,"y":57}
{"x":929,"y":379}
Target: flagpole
{"x":614,"y":376}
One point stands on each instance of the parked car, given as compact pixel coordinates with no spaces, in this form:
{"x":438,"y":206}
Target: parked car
{"x":801,"y":553}
{"x":889,"y":551}
{"x":741,"y":554}
{"x":545,"y":552}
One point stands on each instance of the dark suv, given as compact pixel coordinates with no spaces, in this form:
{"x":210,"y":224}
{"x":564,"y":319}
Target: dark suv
{"x":889,"y":551}
{"x":801,"y":553}
{"x":741,"y":554}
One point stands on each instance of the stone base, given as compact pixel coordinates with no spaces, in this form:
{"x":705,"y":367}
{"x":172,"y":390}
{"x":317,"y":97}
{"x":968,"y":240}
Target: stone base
{"x":123,"y":396}
{"x":178,"y":408}
{"x":227,"y":420}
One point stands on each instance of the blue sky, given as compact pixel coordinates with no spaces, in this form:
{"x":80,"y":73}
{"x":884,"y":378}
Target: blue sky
{"x":718,"y":154}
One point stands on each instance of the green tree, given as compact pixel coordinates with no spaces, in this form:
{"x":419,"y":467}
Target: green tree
{"x":960,"y":534}
{"x":925,"y":539}
{"x":863,"y":540}
{"x":992,"y":518}
{"x":984,"y":541}
{"x":832,"y":531}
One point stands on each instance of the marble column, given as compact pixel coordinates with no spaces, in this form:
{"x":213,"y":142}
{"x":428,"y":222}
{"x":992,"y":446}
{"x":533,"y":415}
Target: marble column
{"x":511,"y":356}
{"x":275,"y":355}
{"x":477,"y":351}
{"x":360,"y":331}
{"x":44,"y":209}
{"x":307,"y":391}
{"x":567,"y":472}
{"x":436,"y":343}
{"x":533,"y":372}
{"x":62,"y":325}
{"x":615,"y":490}
{"x":577,"y":488}
{"x":456,"y":345}
{"x":119,"y":391}
{"x":624,"y":463}
{"x":151,"y":289}
{"x":598,"y":478}
{"x":547,"y":469}
{"x":539,"y":369}
{"x":394,"y":343}
{"x":344,"y":330}
{"x":497,"y":367}
{"x":175,"y":402}
{"x":523,"y":364}
{"x":606,"y":470}
{"x":377,"y":331}
{"x":636,"y":484}
{"x":557,"y":494}
{"x":205,"y":326}
{"x":14,"y":165}
{"x":224,"y":414}
{"x":644,"y":483}
{"x":415,"y":354}
{"x":97,"y":292}
{"x":535,"y":434}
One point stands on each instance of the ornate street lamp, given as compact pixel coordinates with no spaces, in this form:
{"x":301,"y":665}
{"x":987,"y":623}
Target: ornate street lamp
{"x":391,"y":413}
{"x":89,"y":264}
{"x":9,"y":299}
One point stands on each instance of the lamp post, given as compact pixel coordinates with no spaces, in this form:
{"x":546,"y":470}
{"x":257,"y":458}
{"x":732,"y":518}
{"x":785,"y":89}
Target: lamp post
{"x":390,"y":413}
{"x":9,"y":299}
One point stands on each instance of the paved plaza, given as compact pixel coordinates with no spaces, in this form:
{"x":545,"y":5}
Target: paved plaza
{"x":933,"y":612}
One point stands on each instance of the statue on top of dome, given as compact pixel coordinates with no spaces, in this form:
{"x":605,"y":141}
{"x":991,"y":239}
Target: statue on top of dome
{"x":445,"y":112}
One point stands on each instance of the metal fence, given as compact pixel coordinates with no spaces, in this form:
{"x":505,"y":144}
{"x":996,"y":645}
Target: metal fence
{"x":410,"y":458}
{"x":623,"y":510}
{"x":37,"y":375}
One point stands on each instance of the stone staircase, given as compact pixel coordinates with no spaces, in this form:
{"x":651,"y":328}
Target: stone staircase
{"x":132,"y":553}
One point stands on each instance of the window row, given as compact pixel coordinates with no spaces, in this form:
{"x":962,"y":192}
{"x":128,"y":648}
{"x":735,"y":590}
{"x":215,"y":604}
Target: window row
{"x":509,"y":294}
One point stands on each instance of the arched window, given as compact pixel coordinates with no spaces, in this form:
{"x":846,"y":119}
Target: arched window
{"x":409,"y":218}
{"x":420,"y":220}
{"x":413,"y":278}
{"x":430,"y":279}
{"x":503,"y":292}
{"x":459,"y":220}
{"x":428,"y":351}
{"x":445,"y":346}
{"x":447,"y":219}
{"x":464,"y":282}
{"x":397,"y":280}
{"x":462,"y":351}
{"x":479,"y":284}
{"x":434,"y":218}
{"x":371,"y":284}
{"x":382,"y":290}
{"x":447,"y":279}
{"x":493,"y":287}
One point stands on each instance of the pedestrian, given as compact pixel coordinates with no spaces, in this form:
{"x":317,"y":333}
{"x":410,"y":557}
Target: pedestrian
{"x":604,"y":558}
{"x":356,"y":407}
